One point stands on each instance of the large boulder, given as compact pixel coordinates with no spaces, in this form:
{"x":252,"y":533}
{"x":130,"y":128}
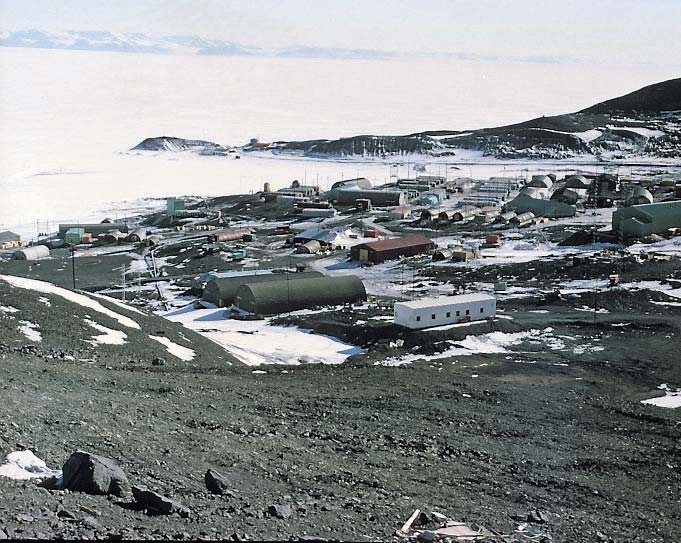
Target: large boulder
{"x":92,"y":474}
{"x":216,"y":483}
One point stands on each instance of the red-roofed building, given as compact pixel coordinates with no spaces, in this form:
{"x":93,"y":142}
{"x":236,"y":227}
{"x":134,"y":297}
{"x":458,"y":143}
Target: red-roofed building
{"x":389,"y":249}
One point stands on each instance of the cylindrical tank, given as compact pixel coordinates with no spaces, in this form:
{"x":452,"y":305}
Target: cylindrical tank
{"x":137,"y":235}
{"x":267,"y":188}
{"x":309,"y":248}
{"x":36,"y":252}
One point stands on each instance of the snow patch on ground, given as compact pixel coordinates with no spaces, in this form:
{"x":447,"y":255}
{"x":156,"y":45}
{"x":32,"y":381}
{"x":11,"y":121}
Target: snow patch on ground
{"x":8,"y":309}
{"x":30,"y":330}
{"x":259,"y":342}
{"x":22,"y":465}
{"x":75,"y":297}
{"x":183,"y":353}
{"x":671,"y":399}
{"x":108,"y":337}
{"x":118,"y":303}
{"x":46,"y":301}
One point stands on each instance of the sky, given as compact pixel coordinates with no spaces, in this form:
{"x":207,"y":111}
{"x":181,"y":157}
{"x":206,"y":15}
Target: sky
{"x":617,"y":31}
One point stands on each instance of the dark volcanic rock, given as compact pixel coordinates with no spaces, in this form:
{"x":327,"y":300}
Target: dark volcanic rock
{"x":156,"y":503}
{"x":216,"y":483}
{"x":86,"y":472}
{"x":280,"y":510}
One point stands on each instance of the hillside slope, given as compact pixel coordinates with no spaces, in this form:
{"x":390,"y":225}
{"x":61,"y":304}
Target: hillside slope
{"x":82,"y":329}
{"x":664,"y":96}
{"x":643,"y":123}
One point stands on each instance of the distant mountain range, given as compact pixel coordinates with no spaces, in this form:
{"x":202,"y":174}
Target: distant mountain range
{"x":644,"y":123}
{"x":188,"y":45}
{"x":87,"y":40}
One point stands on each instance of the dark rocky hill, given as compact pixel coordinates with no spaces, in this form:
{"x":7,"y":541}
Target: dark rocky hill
{"x":665,"y":96}
{"x":644,"y":123}
{"x":169,"y":143}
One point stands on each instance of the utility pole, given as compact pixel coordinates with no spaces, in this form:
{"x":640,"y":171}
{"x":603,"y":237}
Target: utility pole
{"x":73,"y":265}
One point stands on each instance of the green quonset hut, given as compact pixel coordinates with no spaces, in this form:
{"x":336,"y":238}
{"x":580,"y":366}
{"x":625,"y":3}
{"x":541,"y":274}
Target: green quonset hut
{"x":222,"y":291}
{"x":646,"y":219}
{"x":281,"y":296}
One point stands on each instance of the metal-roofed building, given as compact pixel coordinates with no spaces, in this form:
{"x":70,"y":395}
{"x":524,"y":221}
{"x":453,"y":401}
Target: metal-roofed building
{"x":429,"y":312}
{"x":221,"y":291}
{"x":282,"y":296}
{"x":9,"y":240}
{"x":379,"y":198}
{"x":95,"y":229}
{"x":388,"y":249}
{"x":541,"y":208}
{"x":541,"y":181}
{"x":646,"y":219}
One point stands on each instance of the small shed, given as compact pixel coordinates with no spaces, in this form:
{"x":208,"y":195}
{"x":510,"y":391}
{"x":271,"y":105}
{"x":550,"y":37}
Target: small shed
{"x":429,"y":312}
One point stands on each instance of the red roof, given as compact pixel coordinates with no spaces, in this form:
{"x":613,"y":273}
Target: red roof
{"x":396,"y":243}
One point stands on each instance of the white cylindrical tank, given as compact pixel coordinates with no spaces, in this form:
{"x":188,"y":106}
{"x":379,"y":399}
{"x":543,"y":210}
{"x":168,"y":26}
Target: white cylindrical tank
{"x":35,"y":252}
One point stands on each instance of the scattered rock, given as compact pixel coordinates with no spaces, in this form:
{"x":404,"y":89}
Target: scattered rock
{"x":537,"y":517}
{"x":155,"y":503}
{"x":65,"y":514}
{"x":280,"y":510}
{"x":216,"y":483}
{"x":426,"y":536}
{"x":92,"y":474}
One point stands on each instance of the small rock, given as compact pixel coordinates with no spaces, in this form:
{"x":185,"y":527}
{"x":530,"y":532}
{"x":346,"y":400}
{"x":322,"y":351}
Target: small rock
{"x":90,"y":522}
{"x":52,"y":483}
{"x":601,"y":536}
{"x":426,"y":536}
{"x":66,"y":514}
{"x":158,"y":361}
{"x":280,"y":510}
{"x":92,"y":474}
{"x":3,"y":534}
{"x":156,"y":503}
{"x":216,"y":483}
{"x":537,"y":517}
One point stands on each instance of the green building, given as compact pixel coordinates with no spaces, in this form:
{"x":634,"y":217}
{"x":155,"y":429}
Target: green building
{"x":174,"y":205}
{"x":643,"y":220}
{"x":74,"y":236}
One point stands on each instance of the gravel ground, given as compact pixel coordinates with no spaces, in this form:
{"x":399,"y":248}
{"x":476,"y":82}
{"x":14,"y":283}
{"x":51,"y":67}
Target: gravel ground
{"x":355,"y":449}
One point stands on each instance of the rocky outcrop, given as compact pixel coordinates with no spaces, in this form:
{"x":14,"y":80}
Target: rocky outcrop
{"x":169,"y":143}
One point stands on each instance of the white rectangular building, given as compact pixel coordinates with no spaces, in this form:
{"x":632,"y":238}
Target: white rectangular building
{"x":428,"y":312}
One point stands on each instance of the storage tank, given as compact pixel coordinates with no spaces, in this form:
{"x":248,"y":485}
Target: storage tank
{"x":281,"y":296}
{"x":36,"y":252}
{"x":309,"y":248}
{"x":137,"y":235}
